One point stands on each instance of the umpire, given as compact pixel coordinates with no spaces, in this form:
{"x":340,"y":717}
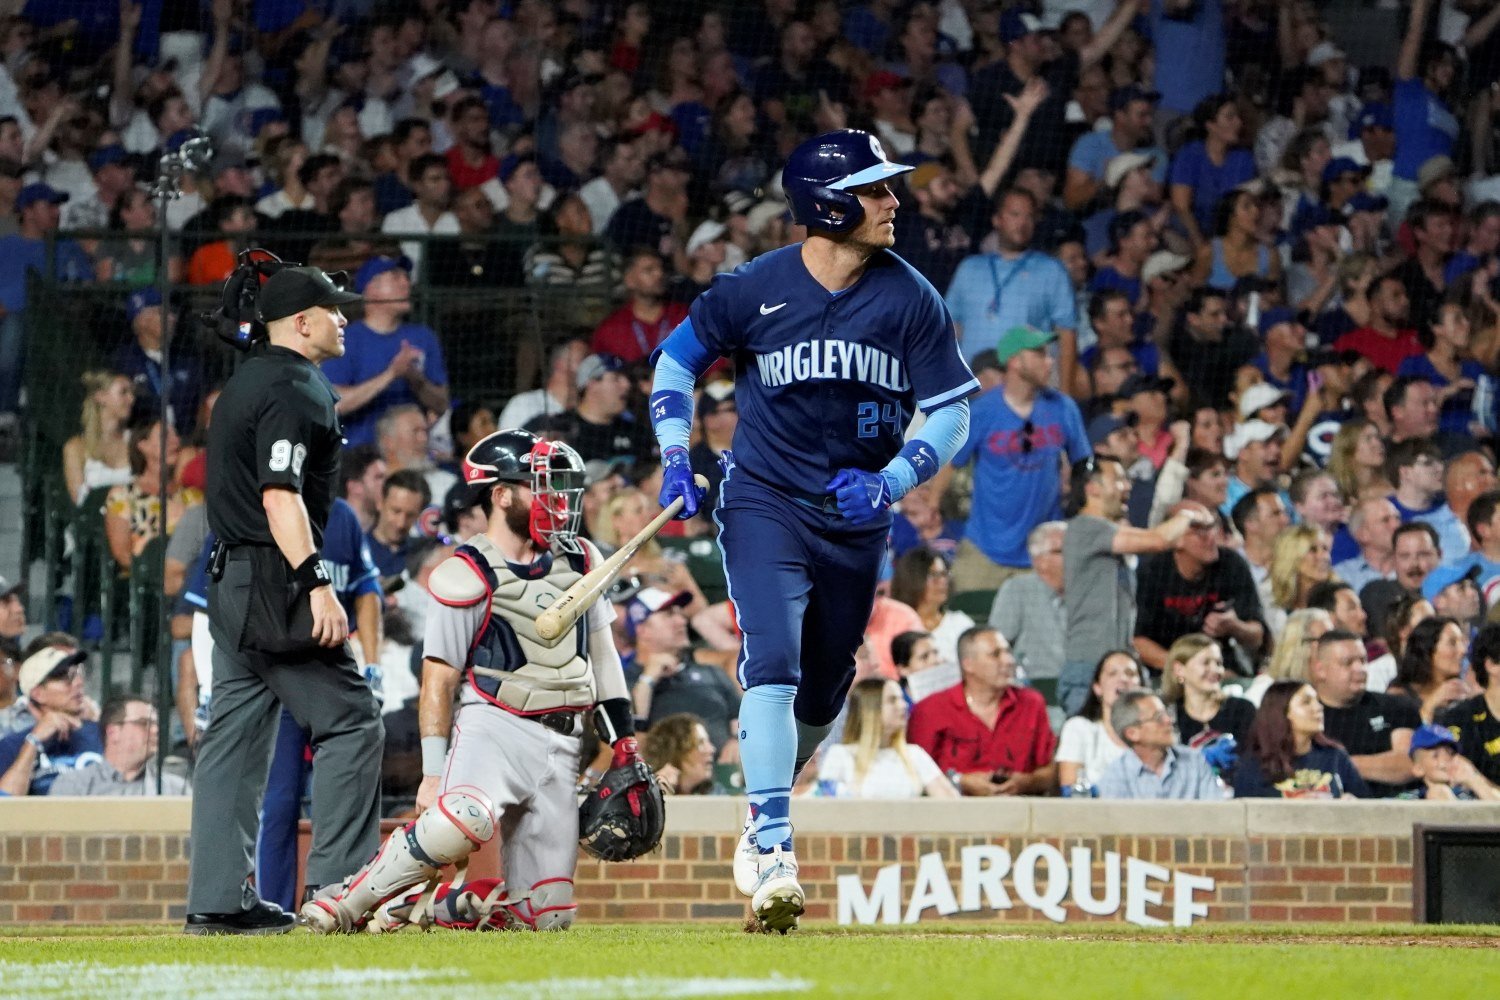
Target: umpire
{"x":279,"y":632}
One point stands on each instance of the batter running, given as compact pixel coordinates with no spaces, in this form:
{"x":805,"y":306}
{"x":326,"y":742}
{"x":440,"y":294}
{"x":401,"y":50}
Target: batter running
{"x":513,"y":759}
{"x":835,"y":342}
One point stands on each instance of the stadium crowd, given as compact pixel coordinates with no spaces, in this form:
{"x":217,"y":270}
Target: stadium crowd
{"x":1201,"y":258}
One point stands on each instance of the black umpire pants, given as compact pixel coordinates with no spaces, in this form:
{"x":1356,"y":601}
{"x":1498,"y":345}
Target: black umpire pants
{"x":326,"y":694}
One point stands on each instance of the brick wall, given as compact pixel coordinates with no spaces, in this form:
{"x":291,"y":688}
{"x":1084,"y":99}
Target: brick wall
{"x":1270,"y":861}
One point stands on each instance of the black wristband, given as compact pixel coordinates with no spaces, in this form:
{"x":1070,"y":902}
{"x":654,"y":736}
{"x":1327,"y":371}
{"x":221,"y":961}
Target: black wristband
{"x":613,"y":720}
{"x":311,"y":574}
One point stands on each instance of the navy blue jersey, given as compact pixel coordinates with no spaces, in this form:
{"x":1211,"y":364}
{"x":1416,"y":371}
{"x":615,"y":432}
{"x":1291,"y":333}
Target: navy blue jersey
{"x":827,"y":381}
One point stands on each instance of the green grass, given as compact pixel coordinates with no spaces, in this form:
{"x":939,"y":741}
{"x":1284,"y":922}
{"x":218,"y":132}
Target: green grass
{"x":667,"y":961}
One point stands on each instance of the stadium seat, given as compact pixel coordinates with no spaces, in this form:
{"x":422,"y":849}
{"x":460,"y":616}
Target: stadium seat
{"x":974,"y":603}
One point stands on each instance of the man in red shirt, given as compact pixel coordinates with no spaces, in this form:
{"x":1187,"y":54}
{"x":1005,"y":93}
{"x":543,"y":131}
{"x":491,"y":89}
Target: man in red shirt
{"x":989,"y":735}
{"x":471,"y":160}
{"x":1389,"y":339}
{"x":632,"y":331}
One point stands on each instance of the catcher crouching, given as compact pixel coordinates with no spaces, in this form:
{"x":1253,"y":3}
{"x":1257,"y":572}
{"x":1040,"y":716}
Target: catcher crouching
{"x":513,"y":758}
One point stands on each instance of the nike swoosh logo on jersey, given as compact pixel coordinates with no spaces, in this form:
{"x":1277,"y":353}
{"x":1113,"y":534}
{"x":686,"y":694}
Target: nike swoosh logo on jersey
{"x":766,"y":310}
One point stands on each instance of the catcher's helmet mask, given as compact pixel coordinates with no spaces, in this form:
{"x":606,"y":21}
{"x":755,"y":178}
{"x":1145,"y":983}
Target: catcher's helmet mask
{"x":554,"y":473}
{"x":822,"y":176}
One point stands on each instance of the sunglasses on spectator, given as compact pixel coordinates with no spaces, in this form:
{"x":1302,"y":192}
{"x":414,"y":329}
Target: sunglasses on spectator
{"x":1027,"y":429}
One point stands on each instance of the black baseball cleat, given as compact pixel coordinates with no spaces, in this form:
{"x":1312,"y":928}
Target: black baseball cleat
{"x":262,"y":918}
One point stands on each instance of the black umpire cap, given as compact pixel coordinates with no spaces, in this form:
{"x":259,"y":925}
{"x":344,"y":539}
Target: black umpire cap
{"x":293,"y":289}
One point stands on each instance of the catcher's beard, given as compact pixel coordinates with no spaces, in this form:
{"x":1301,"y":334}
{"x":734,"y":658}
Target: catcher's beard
{"x":518,"y":515}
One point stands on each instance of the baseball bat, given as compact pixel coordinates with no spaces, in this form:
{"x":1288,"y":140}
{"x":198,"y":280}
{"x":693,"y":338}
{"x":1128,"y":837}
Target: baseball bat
{"x":564,"y":612}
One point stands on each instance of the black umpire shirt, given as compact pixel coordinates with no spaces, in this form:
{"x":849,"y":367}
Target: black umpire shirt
{"x":274,"y":425}
{"x":1478,"y":732}
{"x":1364,"y":727}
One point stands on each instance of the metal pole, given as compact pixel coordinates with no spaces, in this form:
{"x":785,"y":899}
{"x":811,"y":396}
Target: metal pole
{"x":173,"y":165}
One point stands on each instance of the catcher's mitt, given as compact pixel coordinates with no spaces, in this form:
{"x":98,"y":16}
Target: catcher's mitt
{"x":622,"y":817}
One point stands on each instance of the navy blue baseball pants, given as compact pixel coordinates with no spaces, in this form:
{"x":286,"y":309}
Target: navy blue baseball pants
{"x":802,"y":581}
{"x":280,"y":812}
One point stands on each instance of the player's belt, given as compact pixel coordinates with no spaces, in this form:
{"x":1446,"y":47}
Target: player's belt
{"x":563,"y":723}
{"x":825,"y":502}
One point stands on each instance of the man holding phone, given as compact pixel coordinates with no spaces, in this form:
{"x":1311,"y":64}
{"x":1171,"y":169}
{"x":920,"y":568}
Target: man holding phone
{"x":989,"y":735}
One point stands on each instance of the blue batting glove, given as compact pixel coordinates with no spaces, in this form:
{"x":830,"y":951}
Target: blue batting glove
{"x":677,"y":481}
{"x":862,"y":496}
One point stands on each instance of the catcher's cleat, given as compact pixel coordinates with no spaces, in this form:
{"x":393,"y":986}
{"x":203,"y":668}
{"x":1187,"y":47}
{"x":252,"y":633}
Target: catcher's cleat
{"x":778,"y":901}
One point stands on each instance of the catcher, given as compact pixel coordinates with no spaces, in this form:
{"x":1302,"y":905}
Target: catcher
{"x":513,"y":761}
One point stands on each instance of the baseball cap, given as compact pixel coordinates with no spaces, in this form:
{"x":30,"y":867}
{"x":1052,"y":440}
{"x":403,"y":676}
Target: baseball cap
{"x":648,"y":602}
{"x":1258,"y":397}
{"x":460,"y":498}
{"x":1018,"y":339}
{"x":1160,"y":263}
{"x":1122,"y":165}
{"x":1105,"y":424}
{"x":1311,"y":216}
{"x":675,"y":158}
{"x":511,"y":163}
{"x":1121,"y":97}
{"x":141,"y":300}
{"x":1324,"y":52}
{"x":716,"y":396}
{"x":708,"y":230}
{"x":293,"y":289}
{"x":596,"y":469}
{"x":105,"y":155}
{"x":737,"y":202}
{"x":446,"y":84}
{"x":1434,"y":169}
{"x":261,"y":117}
{"x":1363,"y":201}
{"x":925,"y":174}
{"x":42,"y":664}
{"x":1340,"y":165}
{"x":594,"y":366}
{"x":423,"y":65}
{"x":1430,"y":737}
{"x":1377,"y":115}
{"x":882,"y":79}
{"x":1443,"y":577}
{"x":1016,"y":24}
{"x":1275,"y":317}
{"x":1250,"y":432}
{"x":33,"y":193}
{"x":376,"y":266}
{"x":1145,"y":382}
{"x":7,"y":588}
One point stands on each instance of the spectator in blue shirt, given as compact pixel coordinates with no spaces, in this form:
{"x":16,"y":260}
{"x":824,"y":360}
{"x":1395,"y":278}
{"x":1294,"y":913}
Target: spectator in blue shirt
{"x":992,"y":293}
{"x":1447,"y":367}
{"x":144,"y":362}
{"x":1154,"y":765}
{"x":1425,"y":125}
{"x":1131,"y":110}
{"x":50,"y":684}
{"x":1018,"y":432}
{"x":39,"y":210}
{"x":1188,"y":36}
{"x":1287,"y":756}
{"x":1209,"y":167}
{"x":387,"y":362}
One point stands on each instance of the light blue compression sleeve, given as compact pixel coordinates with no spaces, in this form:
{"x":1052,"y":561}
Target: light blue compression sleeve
{"x":679,"y":361}
{"x":934,"y":446}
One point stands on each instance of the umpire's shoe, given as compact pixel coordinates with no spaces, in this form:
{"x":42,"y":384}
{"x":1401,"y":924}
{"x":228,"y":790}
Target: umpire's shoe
{"x":262,"y":918}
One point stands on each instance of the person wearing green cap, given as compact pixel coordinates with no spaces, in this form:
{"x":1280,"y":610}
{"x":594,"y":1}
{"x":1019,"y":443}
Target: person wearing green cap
{"x":1018,"y":433}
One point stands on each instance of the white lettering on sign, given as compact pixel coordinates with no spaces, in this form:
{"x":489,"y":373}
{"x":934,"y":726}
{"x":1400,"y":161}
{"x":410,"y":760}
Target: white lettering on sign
{"x":1042,"y":877}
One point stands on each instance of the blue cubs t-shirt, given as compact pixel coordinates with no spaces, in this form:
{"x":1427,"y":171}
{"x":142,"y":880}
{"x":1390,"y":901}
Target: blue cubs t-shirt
{"x":1425,"y":128}
{"x":1017,"y":469}
{"x":367,"y":354}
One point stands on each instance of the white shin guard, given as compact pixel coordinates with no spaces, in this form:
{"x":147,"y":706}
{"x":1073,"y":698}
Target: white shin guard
{"x":446,"y":833}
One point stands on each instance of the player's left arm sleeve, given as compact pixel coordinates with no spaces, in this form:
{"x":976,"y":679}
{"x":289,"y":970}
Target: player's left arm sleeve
{"x":604,"y":658}
{"x":679,"y":361}
{"x":945,"y":431}
{"x":934,"y":364}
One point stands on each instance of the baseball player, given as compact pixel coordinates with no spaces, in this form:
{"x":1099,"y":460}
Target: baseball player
{"x":513,"y":761}
{"x":835,"y":342}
